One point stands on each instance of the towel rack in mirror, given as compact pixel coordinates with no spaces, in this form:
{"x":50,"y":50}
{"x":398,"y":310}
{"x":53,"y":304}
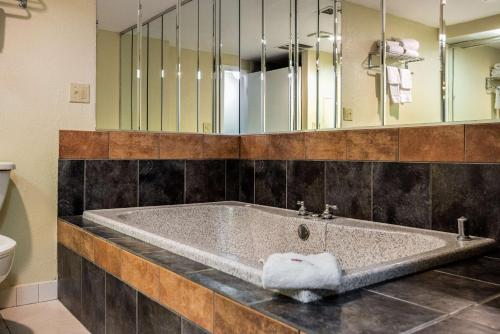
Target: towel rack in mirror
{"x":404,"y":59}
{"x":492,"y":83}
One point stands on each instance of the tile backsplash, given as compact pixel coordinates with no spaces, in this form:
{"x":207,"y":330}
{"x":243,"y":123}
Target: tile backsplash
{"x":424,"y":177}
{"x":422,"y":195}
{"x":103,"y":184}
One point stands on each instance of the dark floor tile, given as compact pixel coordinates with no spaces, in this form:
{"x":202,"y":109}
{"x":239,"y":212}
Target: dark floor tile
{"x":110,"y":184}
{"x":121,"y":301}
{"x":401,"y":194}
{"x":306,"y":182}
{"x":349,"y":186}
{"x":470,"y":190}
{"x":105,"y":232}
{"x":80,"y":221}
{"x":93,"y":297}
{"x":136,"y":246}
{"x":232,"y":180}
{"x":247,"y":181}
{"x":174,"y":262}
{"x":231,"y":286}
{"x":155,"y":319}
{"x":437,"y":290}
{"x":457,"y":326}
{"x":161,"y":182}
{"x":270,"y":183}
{"x":189,"y":328}
{"x":70,"y":280}
{"x":483,"y":269}
{"x":205,"y":181}
{"x":354,"y":312}
{"x":487,"y":314}
{"x":495,"y":253}
{"x":70,"y":187}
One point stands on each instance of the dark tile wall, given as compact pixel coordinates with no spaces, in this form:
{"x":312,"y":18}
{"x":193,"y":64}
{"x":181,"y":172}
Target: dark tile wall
{"x":101,"y":184}
{"x":422,"y":195}
{"x":105,"y":304}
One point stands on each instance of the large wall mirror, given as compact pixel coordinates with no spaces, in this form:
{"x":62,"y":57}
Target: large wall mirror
{"x":265,"y":66}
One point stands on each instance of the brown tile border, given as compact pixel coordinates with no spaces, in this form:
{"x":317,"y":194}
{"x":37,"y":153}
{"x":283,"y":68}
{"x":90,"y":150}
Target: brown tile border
{"x":482,"y":142}
{"x":181,"y":146}
{"x":83,"y":144}
{"x":187,"y":298}
{"x":432,"y":143}
{"x":141,"y":274}
{"x":326,"y":145}
{"x":232,"y":317}
{"x":373,"y":145}
{"x":134,"y":145}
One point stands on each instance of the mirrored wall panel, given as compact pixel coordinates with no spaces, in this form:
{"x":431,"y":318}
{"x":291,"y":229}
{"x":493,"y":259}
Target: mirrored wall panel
{"x":266,"y":66}
{"x":473,"y":57}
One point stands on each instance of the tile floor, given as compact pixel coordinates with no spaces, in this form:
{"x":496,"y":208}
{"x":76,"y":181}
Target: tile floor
{"x":43,"y":318}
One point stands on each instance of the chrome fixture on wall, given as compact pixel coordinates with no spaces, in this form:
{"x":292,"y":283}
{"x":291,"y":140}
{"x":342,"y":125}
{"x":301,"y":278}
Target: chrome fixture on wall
{"x":23,"y":3}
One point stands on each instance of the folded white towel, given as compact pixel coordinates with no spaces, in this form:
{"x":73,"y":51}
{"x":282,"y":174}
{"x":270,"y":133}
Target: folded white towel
{"x":495,"y":73}
{"x":496,"y":66}
{"x":392,"y":47}
{"x":295,"y":271}
{"x":406,"y":78}
{"x":409,"y":43}
{"x":405,"y":96}
{"x":411,"y":53}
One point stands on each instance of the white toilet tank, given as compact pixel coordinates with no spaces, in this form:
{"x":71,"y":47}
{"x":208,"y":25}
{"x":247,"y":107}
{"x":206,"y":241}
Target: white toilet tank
{"x":5,"y":168}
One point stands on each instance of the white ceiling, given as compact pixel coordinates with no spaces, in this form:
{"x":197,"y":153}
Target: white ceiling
{"x":427,"y":11}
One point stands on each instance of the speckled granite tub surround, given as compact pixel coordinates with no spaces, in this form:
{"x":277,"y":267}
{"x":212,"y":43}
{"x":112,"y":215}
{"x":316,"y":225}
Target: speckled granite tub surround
{"x":233,"y":237}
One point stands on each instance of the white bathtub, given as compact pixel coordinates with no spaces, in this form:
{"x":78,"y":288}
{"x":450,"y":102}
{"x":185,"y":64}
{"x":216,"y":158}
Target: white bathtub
{"x":233,"y":237}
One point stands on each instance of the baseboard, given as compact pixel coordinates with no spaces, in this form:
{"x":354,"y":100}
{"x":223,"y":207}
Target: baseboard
{"x":24,"y":294}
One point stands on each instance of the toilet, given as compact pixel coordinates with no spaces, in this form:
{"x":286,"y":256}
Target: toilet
{"x":7,"y":245}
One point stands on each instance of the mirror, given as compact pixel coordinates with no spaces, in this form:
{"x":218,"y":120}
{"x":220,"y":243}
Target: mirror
{"x":473,"y":58}
{"x":116,"y":64}
{"x":262,"y":66}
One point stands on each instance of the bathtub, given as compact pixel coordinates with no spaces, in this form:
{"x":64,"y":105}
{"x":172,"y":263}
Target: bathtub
{"x":235,"y":237}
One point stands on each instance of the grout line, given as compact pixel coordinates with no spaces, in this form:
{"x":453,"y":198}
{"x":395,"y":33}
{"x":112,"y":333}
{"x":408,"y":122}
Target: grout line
{"x":403,"y":300}
{"x":465,"y":277}
{"x":427,"y":324}
{"x":199,"y":271}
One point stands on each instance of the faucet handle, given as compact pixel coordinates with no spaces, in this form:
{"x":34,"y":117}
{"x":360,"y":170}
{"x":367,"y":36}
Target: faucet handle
{"x":327,"y":214}
{"x":463,"y":234}
{"x":302,"y":210}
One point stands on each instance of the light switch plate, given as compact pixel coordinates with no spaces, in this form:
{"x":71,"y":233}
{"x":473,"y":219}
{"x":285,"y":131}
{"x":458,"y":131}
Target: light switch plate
{"x":347,"y":114}
{"x":79,"y":93}
{"x":207,"y":127}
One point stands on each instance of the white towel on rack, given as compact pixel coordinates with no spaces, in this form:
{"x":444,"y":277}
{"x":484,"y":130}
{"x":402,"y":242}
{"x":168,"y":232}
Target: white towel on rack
{"x":497,"y":98}
{"x":495,"y":73}
{"x":409,"y":44}
{"x":393,"y":82}
{"x":496,"y":66}
{"x":411,"y":53}
{"x":393,"y":77}
{"x":406,"y":79}
{"x":392,"y":47}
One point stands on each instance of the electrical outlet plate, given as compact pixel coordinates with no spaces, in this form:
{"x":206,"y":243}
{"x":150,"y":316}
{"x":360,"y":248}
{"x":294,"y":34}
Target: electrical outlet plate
{"x":79,"y":93}
{"x":347,"y":114}
{"x":207,"y":127}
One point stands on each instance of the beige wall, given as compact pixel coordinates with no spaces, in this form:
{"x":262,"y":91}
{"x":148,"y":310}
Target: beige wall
{"x":360,"y":29}
{"x":472,"y":66}
{"x":108,"y":80}
{"x":40,"y":57}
